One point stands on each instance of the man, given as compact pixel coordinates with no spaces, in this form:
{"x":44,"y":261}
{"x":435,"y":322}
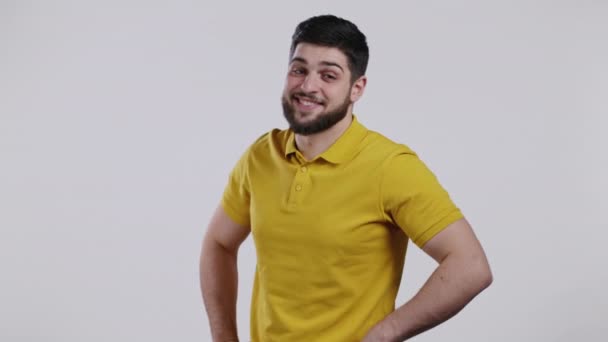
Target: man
{"x":331,"y":207}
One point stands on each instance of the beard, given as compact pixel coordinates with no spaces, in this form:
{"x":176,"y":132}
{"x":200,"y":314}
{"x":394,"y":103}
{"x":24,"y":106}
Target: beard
{"x":322,"y":122}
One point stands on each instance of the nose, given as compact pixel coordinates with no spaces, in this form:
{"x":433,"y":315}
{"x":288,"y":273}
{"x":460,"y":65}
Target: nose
{"x":310,"y":84}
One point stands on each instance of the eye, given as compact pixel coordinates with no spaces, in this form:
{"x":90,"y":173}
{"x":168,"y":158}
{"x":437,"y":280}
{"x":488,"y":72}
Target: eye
{"x":329,"y":77}
{"x":297,"y":71}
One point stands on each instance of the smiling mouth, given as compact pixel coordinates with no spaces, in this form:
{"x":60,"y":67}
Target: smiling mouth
{"x":307,"y":101}
{"x":306,"y":106}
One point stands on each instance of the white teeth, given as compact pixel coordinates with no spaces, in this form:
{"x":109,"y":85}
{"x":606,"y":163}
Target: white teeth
{"x":307,"y":102}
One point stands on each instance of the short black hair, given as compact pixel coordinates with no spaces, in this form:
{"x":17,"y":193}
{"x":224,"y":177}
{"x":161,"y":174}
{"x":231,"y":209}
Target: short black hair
{"x":332,"y":31}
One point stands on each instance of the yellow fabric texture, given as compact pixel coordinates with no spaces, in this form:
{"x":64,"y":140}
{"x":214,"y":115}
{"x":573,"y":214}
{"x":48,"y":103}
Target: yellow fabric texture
{"x":331,"y":234}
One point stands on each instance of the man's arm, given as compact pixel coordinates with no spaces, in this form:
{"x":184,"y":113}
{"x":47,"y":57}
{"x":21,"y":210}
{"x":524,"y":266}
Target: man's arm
{"x":218,"y":274}
{"x":463,"y":272}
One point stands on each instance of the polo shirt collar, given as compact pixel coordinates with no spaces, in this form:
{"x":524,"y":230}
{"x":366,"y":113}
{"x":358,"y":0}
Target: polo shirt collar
{"x":342,"y":150}
{"x":290,"y":146}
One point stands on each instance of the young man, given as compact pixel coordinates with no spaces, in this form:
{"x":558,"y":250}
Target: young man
{"x":331,"y":207}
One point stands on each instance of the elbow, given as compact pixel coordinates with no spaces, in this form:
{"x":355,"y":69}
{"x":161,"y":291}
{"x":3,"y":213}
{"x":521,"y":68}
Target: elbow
{"x":483,"y":275}
{"x":486,"y":279}
{"x":477,"y":276}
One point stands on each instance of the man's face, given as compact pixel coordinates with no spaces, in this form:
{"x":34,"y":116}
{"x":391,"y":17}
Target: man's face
{"x":318,"y":91}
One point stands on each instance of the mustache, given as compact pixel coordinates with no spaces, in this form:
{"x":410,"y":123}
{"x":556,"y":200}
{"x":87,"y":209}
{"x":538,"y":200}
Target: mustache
{"x":308,"y":96}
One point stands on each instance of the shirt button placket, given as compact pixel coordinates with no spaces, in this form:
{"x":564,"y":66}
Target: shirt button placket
{"x":301,"y":180}
{"x":299,"y":177}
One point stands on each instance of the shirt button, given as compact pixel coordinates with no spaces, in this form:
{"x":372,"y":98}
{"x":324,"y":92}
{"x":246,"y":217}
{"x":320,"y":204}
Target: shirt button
{"x":303,"y":169}
{"x":298,"y":187}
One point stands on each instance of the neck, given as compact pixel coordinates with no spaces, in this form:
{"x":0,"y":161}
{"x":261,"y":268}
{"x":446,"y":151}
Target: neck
{"x":313,"y":145}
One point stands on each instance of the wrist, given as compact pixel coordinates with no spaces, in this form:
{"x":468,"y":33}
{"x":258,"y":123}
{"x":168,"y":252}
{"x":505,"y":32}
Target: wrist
{"x":385,"y":331}
{"x":391,"y":330}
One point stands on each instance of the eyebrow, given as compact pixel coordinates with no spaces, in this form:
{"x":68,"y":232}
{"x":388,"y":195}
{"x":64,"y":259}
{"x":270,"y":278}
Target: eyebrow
{"x":327,"y":63}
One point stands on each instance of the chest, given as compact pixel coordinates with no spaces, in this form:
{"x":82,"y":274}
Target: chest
{"x":317,"y":212}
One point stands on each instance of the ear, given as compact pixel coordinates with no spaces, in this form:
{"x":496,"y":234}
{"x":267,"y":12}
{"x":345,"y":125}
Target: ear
{"x":357,"y":89}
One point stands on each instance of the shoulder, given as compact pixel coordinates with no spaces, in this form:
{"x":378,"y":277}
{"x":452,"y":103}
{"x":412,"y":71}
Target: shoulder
{"x":269,"y":143}
{"x":385,"y":149}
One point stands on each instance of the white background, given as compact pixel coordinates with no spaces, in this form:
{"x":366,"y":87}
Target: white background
{"x":120,"y":120}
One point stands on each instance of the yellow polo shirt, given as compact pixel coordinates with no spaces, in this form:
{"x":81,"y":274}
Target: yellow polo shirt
{"x":331,"y":234}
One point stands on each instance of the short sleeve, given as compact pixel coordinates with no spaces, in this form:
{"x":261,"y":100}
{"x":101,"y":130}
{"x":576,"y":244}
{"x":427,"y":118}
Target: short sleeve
{"x":413,"y":199}
{"x":235,"y":200}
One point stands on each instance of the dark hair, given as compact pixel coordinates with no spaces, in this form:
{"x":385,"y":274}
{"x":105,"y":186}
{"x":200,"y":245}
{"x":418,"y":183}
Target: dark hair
{"x":331,"y":31}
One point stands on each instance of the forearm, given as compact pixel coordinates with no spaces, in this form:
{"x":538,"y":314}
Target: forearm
{"x":454,"y":283}
{"x":219,"y":279}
